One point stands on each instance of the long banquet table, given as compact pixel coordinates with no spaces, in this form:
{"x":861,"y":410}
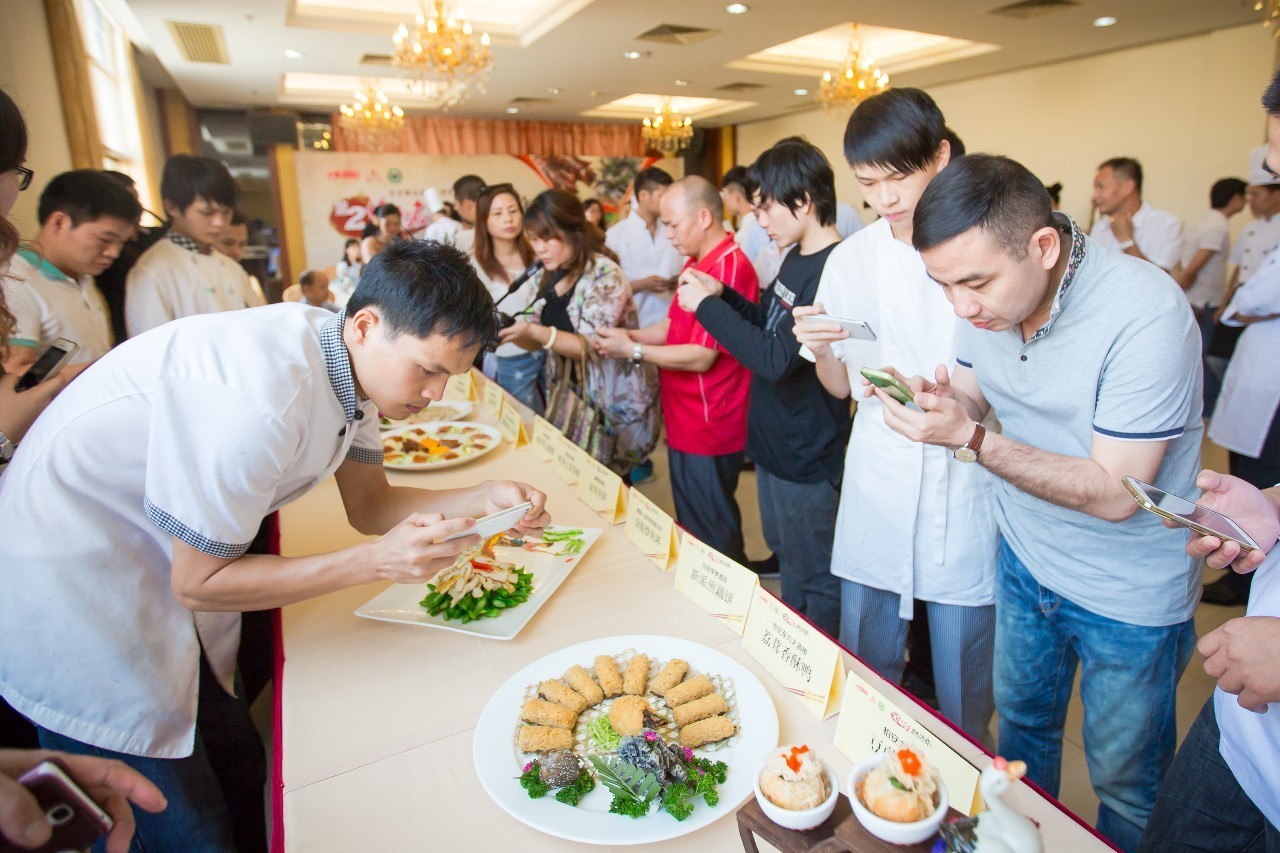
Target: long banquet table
{"x":375,"y":720}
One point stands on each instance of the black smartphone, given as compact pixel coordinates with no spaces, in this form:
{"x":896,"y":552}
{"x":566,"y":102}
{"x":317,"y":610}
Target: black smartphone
{"x":74,"y":818}
{"x":50,"y":362}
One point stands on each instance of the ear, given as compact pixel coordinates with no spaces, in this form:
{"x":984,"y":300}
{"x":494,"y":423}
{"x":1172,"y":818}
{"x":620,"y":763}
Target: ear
{"x":943,"y":157}
{"x":1046,"y":246}
{"x":364,"y":323}
{"x":171,"y":209}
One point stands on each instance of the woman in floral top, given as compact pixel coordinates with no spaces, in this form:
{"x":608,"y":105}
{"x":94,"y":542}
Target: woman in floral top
{"x":586,"y":290}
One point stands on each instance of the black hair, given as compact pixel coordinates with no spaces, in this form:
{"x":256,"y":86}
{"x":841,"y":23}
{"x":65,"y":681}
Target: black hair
{"x":986,"y":191}
{"x":792,"y":172}
{"x":651,"y":178}
{"x":186,"y":177}
{"x":426,"y":288}
{"x":350,"y":241}
{"x":736,"y":177}
{"x":86,"y":195}
{"x":1126,"y":168}
{"x":957,"y":144}
{"x":307,"y":277}
{"x":900,"y":129}
{"x":125,"y":180}
{"x":1055,"y":192}
{"x":385,"y":210}
{"x":238,"y":218}
{"x":468,"y":188}
{"x":1222,"y":191}
{"x":13,"y":134}
{"x":1271,"y":97}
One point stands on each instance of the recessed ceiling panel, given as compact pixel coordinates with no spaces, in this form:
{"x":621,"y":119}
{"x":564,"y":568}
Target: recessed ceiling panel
{"x":638,"y":106}
{"x":513,"y":22}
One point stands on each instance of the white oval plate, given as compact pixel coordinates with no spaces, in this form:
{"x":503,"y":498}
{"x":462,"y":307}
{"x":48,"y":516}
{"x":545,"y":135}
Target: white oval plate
{"x":498,"y":764}
{"x":495,"y":439}
{"x":444,"y":410}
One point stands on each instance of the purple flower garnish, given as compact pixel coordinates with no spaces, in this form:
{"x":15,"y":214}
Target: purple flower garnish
{"x":526,"y":767}
{"x":688,"y":755}
{"x":650,"y":736}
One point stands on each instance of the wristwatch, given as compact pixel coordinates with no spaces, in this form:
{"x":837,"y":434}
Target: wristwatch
{"x":1127,"y":245}
{"x":969,"y":453}
{"x":7,"y":448}
{"x":637,"y":353}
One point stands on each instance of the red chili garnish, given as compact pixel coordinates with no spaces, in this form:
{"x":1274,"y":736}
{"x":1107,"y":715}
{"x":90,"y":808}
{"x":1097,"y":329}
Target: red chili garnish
{"x":481,"y":567}
{"x":793,"y":760}
{"x":910,"y":762}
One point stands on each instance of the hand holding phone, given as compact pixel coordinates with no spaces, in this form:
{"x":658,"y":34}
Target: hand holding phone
{"x":491,"y":525}
{"x":49,"y":363}
{"x":859,"y":329}
{"x":892,"y":385}
{"x":1184,"y":513}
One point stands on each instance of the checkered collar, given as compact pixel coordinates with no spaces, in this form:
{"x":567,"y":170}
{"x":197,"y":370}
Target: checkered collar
{"x":1074,"y":259}
{"x":187,"y":243}
{"x":338,"y":362}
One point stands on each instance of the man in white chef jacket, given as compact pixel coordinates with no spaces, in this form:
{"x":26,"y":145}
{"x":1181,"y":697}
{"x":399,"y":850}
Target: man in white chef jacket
{"x":127,"y":512}
{"x":913,"y":522}
{"x":648,"y":258}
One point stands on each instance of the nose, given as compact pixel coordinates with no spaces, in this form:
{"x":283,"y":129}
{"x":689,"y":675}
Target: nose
{"x":433,"y":391}
{"x":887,"y":193}
{"x":964,"y":307}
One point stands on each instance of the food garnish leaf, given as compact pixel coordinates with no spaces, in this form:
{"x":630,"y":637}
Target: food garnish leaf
{"x":676,"y":800}
{"x":626,"y":780}
{"x":895,"y":783}
{"x":531,"y":782}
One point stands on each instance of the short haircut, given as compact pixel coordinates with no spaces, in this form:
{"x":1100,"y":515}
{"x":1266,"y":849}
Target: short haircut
{"x":468,"y":188}
{"x":957,"y":144}
{"x":424,"y":288}
{"x":900,"y":129}
{"x":1271,"y":97}
{"x":1222,"y":191}
{"x":792,"y":172}
{"x":701,"y":194}
{"x":124,"y":179}
{"x":86,"y":195}
{"x":308,"y":278}
{"x":385,"y":210}
{"x":238,"y":217}
{"x":736,"y":177}
{"x":1125,"y":168}
{"x":996,"y":194}
{"x":187,"y":177}
{"x":652,"y":178}
{"x":1055,"y":192}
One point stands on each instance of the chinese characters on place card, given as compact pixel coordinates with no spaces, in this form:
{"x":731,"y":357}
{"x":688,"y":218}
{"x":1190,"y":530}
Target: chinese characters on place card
{"x":800,"y":656}
{"x":717,"y":584}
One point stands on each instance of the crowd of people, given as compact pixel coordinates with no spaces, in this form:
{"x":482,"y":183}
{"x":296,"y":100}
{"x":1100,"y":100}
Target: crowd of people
{"x":982,"y":525}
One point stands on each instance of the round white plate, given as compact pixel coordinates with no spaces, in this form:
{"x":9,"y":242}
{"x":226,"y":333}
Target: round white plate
{"x":433,"y":430}
{"x":498,"y":764}
{"x":445,"y":410}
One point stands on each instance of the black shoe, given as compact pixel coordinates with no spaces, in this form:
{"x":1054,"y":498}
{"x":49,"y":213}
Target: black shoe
{"x":1231,"y":590}
{"x":766,"y":568}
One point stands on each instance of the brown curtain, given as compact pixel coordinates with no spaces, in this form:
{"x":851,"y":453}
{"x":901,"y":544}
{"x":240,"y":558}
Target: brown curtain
{"x":74,"y":87}
{"x":432,"y":135}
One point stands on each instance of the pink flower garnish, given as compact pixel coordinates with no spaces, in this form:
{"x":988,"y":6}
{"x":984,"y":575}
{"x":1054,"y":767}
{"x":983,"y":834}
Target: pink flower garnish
{"x":650,"y":736}
{"x":526,"y":767}
{"x":688,"y":755}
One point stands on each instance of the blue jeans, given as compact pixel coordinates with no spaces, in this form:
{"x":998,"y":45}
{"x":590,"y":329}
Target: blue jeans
{"x":215,"y":794}
{"x":521,"y":376}
{"x":1201,"y":805}
{"x":799,"y":521}
{"x":1128,"y":684}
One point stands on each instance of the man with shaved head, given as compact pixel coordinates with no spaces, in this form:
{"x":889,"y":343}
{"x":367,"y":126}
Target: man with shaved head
{"x":704,"y":389}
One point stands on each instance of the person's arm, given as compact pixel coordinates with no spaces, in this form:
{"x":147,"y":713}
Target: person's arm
{"x":691,"y":358}
{"x":655,"y":335}
{"x":769,"y":355}
{"x":1233,"y":281}
{"x":19,"y":409}
{"x":20,"y":358}
{"x":1164,"y":244}
{"x":818,"y":339}
{"x":1186,"y":276}
{"x":653,"y":284}
{"x":1242,"y":656}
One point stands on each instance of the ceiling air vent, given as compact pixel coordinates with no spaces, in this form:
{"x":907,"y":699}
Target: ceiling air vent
{"x":740,"y":87}
{"x":676,"y":34}
{"x":523,"y":101}
{"x":1034,"y":8}
{"x":380,"y":59}
{"x":199,"y":42}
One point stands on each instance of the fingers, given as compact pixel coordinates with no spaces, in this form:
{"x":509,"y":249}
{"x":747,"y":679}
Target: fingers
{"x":424,"y":519}
{"x":121,"y":815}
{"x":22,"y":821}
{"x":1209,"y":644}
{"x":1211,"y":481}
{"x":941,"y":376}
{"x":117,"y":776}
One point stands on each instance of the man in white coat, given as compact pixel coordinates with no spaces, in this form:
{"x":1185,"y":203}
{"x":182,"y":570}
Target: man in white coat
{"x":913,"y":522}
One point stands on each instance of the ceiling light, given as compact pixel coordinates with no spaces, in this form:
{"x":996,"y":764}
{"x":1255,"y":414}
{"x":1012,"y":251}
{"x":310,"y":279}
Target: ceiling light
{"x":441,"y":45}
{"x":737,"y":8}
{"x":857,"y":79}
{"x":1104,"y":21}
{"x":801,"y":91}
{"x":667,"y":132}
{"x":553,"y":91}
{"x":512,"y":110}
{"x":372,"y":117}
{"x":631,"y":54}
{"x":292,"y":54}
{"x":682,"y":82}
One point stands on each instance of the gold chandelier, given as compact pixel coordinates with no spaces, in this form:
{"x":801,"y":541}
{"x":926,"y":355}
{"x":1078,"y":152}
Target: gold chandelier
{"x":854,"y":81}
{"x":1270,"y":15}
{"x":667,"y":132}
{"x":372,"y":117}
{"x":442,"y":45}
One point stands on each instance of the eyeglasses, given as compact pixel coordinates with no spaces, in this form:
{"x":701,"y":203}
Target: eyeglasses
{"x":25,"y":176}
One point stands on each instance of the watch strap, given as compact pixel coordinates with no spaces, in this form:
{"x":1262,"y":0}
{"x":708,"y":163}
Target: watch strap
{"x":975,"y":442}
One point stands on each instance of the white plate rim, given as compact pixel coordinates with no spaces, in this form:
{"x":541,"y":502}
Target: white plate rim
{"x":453,"y":463}
{"x":463,"y":407}
{"x":493,"y":751}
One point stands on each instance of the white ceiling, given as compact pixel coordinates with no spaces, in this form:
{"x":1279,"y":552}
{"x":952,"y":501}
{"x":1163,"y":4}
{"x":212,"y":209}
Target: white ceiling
{"x":582,"y":56}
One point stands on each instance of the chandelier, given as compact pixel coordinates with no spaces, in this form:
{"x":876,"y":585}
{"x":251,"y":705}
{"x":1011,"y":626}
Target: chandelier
{"x":854,"y":81}
{"x":442,"y":45}
{"x":667,"y":132}
{"x":372,"y":117}
{"x":1269,"y":16}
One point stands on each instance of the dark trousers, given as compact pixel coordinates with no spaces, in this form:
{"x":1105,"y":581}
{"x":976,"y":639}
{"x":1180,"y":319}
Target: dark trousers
{"x":1201,"y":806}
{"x":703,"y":488}
{"x":799,"y":521}
{"x":1263,"y":473}
{"x":216,"y":794}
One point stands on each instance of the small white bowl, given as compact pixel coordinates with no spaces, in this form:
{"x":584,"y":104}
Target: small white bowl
{"x":891,"y":830}
{"x":804,"y":819}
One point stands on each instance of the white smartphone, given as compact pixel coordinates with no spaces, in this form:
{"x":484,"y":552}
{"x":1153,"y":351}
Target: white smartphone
{"x":1188,"y":513}
{"x":50,"y":362}
{"x":859,"y":329}
{"x":494,"y":524}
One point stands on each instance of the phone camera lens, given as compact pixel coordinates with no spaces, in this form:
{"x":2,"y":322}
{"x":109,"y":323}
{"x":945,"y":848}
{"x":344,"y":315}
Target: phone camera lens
{"x":59,"y":814}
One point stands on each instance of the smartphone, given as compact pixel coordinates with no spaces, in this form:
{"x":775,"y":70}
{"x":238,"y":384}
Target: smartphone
{"x":50,"y":362}
{"x":859,"y":329}
{"x":1188,"y":513}
{"x":76,"y":820}
{"x":894,"y":387}
{"x":491,"y":525}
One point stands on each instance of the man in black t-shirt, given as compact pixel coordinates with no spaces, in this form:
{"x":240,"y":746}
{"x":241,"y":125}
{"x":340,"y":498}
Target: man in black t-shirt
{"x":796,"y":431}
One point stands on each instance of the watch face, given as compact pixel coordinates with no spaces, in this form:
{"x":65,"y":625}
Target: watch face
{"x":964,"y":454}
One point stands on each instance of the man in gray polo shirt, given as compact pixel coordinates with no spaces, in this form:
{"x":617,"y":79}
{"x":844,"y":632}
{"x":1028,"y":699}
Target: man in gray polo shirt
{"x":1090,"y":359}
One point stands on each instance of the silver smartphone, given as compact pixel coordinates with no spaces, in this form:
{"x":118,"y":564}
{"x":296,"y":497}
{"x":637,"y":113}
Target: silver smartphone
{"x":1188,"y":513}
{"x":492,"y":525}
{"x":859,"y":329}
{"x":50,"y":362}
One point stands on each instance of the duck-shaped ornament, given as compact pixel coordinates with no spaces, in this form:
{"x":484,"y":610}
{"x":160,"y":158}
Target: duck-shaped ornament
{"x":999,"y":829}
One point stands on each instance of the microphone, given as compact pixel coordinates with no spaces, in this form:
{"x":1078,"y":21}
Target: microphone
{"x":534,"y":269}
